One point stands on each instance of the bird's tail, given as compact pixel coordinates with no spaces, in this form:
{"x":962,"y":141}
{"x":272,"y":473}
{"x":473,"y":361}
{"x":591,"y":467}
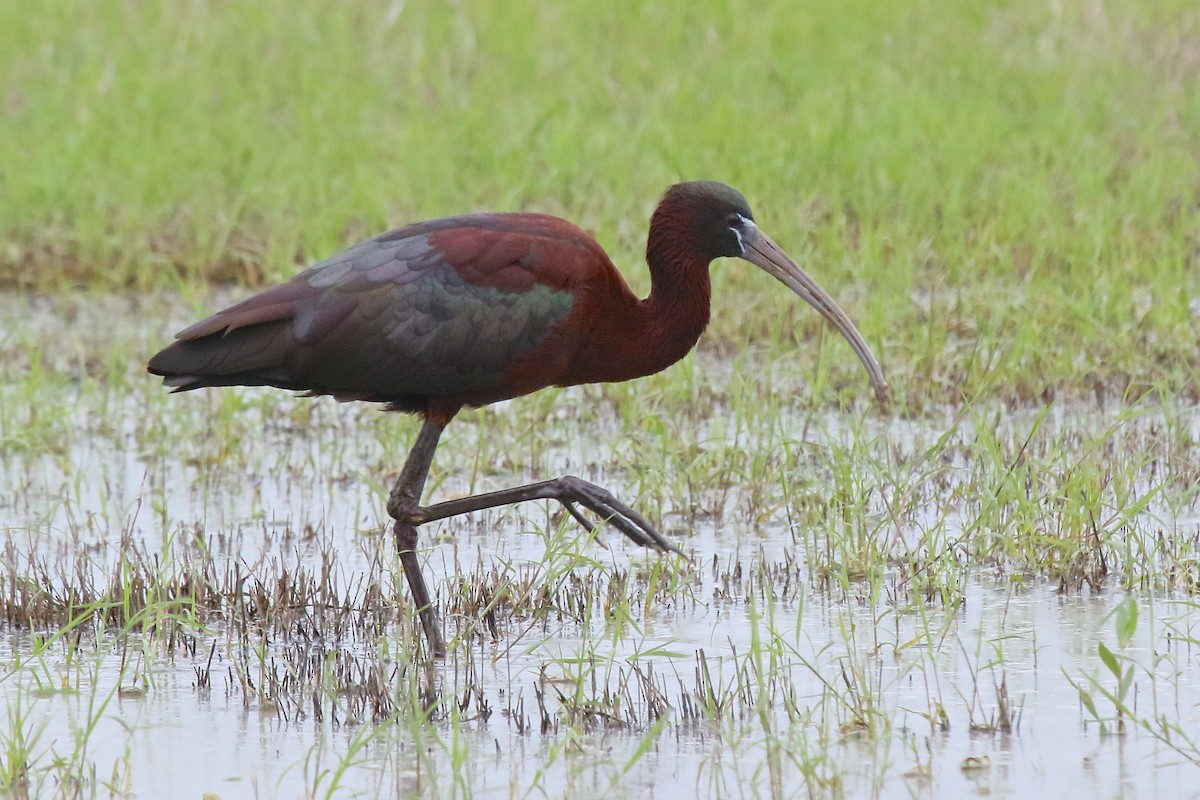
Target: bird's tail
{"x":249,"y":356}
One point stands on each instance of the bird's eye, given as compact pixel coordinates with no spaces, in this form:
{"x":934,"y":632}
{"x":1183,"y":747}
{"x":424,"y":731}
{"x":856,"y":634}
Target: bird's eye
{"x":734,"y":220}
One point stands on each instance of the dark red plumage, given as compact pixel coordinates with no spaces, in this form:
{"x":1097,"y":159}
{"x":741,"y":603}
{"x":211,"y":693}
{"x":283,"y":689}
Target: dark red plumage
{"x":469,"y":310}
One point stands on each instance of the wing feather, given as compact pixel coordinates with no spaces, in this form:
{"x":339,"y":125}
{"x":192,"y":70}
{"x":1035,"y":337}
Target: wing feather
{"x":437,"y":309}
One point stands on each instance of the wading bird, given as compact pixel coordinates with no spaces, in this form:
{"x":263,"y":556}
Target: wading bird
{"x":470,"y":310}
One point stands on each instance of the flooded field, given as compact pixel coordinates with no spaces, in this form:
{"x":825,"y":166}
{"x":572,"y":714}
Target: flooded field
{"x":197,"y":593}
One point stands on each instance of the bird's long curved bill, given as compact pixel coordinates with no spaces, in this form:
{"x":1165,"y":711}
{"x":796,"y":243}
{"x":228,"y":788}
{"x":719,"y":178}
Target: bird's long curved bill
{"x":764,"y":253}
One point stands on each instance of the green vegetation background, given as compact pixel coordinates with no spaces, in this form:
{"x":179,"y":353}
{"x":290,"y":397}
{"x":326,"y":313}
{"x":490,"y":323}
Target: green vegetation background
{"x":1006,"y":196}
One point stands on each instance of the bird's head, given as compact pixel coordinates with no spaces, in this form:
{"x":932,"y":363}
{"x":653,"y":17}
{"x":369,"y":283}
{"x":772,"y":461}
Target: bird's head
{"x":716,"y":218}
{"x":716,"y":222}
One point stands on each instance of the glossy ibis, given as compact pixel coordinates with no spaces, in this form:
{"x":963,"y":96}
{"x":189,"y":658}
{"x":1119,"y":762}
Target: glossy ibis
{"x":469,"y":310}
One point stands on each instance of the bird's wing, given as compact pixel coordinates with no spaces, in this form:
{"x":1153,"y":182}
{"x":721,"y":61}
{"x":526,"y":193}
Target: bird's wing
{"x":434,"y":309}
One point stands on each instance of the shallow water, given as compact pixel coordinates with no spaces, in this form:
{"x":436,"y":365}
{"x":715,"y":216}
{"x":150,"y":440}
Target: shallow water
{"x":822,"y":680}
{"x":176,"y":738}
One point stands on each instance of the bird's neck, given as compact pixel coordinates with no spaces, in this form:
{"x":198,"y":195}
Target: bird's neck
{"x":630,"y":337}
{"x":669,"y":322}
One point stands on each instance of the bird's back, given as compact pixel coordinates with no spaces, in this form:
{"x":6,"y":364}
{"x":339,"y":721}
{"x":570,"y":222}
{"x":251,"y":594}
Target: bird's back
{"x":468,"y":309}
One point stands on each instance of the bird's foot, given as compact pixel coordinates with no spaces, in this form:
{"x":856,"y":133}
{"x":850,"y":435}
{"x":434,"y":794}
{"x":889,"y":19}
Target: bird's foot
{"x":601,"y":501}
{"x":578,"y":515}
{"x":567,"y":490}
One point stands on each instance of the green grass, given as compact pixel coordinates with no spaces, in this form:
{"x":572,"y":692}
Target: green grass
{"x":1006,"y":197}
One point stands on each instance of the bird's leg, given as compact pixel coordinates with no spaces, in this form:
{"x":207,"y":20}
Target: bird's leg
{"x":405,"y":496}
{"x":404,"y":500}
{"x":404,"y":507}
{"x":406,"y":543}
{"x":567,"y":490}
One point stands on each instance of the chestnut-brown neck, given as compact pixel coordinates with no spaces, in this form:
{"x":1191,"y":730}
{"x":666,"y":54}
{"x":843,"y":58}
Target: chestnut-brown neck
{"x":649,"y":335}
{"x":656,"y":332}
{"x":677,"y":311}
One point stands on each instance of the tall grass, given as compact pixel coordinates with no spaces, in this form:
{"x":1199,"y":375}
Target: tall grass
{"x":1005,"y":196}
